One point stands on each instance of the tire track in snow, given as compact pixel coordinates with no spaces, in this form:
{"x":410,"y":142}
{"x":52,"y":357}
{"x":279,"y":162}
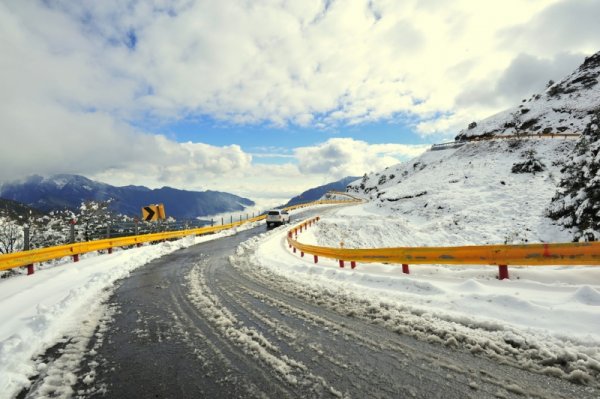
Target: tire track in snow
{"x":503,"y":347}
{"x":251,"y":340}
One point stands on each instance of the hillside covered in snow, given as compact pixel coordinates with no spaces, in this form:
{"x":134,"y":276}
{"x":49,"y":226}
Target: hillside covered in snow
{"x":518,"y":186}
{"x":564,"y":107}
{"x":480,"y":193}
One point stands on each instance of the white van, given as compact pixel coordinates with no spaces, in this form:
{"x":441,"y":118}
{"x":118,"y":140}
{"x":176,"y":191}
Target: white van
{"x":277,"y":217}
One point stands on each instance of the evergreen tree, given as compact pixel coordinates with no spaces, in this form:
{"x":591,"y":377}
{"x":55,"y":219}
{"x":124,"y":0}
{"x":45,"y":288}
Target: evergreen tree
{"x":577,"y":202}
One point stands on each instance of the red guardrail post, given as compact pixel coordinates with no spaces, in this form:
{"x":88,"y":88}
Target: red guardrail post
{"x":72,"y":240}
{"x":352,"y":264}
{"x":316,"y":258}
{"x":301,"y":254}
{"x":405,"y":269}
{"x":26,"y":247}
{"x":294,"y":249}
{"x":341,"y":263}
{"x":502,"y":272}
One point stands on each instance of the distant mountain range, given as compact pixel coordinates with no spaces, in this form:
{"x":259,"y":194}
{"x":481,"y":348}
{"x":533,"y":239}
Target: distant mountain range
{"x":315,"y":193}
{"x":69,"y":191}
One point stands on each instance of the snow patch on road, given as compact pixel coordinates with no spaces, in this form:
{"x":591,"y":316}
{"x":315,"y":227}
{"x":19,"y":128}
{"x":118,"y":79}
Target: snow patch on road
{"x":249,"y":339}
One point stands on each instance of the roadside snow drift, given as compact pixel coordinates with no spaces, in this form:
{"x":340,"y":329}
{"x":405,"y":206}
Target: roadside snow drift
{"x":64,"y":305}
{"x":543,"y":319}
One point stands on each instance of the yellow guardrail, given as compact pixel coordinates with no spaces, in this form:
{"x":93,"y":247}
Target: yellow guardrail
{"x":572,"y":254}
{"x":25,"y":258}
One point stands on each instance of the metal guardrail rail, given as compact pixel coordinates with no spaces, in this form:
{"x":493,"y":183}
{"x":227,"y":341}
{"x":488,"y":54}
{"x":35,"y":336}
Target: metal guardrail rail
{"x":352,"y":197}
{"x":569,"y":254}
{"x":27,"y":258}
{"x":456,"y":144}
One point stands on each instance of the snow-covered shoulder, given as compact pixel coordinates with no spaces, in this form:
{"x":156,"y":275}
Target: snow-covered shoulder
{"x":64,"y":304}
{"x":543,"y":319}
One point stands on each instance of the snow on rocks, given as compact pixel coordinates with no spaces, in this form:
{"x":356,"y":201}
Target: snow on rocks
{"x":464,"y":196}
{"x":563,"y":108}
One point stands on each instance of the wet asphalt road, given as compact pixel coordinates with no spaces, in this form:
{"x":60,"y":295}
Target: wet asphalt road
{"x":190,"y":325}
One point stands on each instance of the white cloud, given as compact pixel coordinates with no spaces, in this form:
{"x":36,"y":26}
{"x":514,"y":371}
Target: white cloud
{"x":76,"y":76}
{"x":316,"y":62}
{"x":342,"y":157}
{"x":201,"y":167}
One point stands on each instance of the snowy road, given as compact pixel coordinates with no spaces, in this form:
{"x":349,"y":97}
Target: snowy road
{"x":192,"y":325}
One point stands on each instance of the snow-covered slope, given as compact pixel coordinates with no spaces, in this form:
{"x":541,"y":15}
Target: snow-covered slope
{"x":468,"y":195}
{"x":565,"y":107}
{"x":496,"y":191}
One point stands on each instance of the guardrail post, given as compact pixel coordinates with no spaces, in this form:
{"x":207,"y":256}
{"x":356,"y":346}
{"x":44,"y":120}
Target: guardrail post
{"x":212,"y":223}
{"x":301,"y":254}
{"x":108,"y":236}
{"x":405,"y":269}
{"x":294,"y":249}
{"x":136,"y":231}
{"x":316,"y":258}
{"x":26,"y":247}
{"x":341,"y":263}
{"x":502,"y":272}
{"x":352,"y":264}
{"x":230,"y":219}
{"x":72,"y":223}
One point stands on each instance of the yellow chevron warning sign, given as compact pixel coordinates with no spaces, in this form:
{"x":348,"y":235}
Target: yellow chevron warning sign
{"x":153,"y":213}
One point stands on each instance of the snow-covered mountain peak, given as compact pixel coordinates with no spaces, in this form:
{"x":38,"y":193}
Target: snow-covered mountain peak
{"x":564,"y":107}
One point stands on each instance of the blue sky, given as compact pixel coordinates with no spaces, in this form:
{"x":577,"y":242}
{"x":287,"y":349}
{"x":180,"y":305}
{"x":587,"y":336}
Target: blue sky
{"x":265,"y":99}
{"x":266,"y":141}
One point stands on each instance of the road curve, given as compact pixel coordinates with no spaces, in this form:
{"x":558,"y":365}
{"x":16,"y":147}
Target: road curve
{"x":191,"y":325}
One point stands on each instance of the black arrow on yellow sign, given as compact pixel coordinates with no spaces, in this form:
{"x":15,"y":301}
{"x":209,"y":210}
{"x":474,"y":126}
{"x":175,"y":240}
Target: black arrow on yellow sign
{"x":149,"y":214}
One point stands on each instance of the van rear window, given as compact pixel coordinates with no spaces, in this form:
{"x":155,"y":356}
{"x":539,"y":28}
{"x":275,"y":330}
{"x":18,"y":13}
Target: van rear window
{"x":274,"y":213}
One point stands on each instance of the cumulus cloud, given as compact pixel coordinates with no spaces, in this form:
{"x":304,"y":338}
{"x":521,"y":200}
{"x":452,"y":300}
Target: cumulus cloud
{"x":342,"y":157}
{"x":76,"y":77}
{"x":526,"y":75}
{"x":564,"y":26}
{"x":315,"y":63}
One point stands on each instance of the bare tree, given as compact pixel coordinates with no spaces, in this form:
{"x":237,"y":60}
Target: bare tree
{"x":11,"y":237}
{"x":93,"y":215}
